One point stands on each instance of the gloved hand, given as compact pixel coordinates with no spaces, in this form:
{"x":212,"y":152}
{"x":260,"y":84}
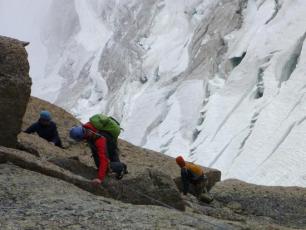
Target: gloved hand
{"x":96,"y":182}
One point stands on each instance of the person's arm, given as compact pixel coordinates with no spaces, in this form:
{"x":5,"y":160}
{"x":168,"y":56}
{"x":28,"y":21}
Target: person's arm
{"x":101,"y":149}
{"x":32,"y":128}
{"x":56,"y":139}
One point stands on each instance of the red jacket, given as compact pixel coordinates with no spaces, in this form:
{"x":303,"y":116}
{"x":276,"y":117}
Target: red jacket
{"x":101,"y":146}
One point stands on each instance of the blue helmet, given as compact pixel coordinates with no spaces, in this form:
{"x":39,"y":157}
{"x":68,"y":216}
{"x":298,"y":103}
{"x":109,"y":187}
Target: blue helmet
{"x":45,"y":115}
{"x":77,"y":133}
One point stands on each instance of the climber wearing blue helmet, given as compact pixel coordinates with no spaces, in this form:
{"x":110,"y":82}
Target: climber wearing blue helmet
{"x":46,"y":129}
{"x":77,"y":133}
{"x":104,"y":150}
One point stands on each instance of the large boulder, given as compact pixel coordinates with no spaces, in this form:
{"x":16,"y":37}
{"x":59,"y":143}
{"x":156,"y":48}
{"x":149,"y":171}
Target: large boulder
{"x":15,"y":88}
{"x":150,"y":187}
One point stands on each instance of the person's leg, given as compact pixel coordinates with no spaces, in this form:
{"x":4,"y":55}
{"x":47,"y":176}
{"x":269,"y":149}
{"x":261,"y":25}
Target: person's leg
{"x":116,"y":167}
{"x":185,"y":180}
{"x":202,"y":193}
{"x":115,"y":164}
{"x":114,"y":156}
{"x":199,"y":187}
{"x":119,"y":168}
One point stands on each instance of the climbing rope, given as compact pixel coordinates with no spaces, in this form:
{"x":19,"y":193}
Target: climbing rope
{"x":152,"y":199}
{"x":171,"y":207}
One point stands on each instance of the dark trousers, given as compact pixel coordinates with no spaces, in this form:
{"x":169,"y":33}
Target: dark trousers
{"x":198,"y":182}
{"x":115,"y":164}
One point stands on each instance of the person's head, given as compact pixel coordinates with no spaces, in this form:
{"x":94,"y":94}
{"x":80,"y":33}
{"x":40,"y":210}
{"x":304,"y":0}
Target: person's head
{"x":45,"y":117}
{"x":77,"y":133}
{"x":180,"y":161}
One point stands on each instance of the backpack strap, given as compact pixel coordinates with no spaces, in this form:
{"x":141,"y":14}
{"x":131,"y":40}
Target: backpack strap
{"x":117,"y":122}
{"x":112,"y":147}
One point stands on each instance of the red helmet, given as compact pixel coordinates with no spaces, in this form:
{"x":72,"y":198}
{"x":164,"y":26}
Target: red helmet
{"x":180,"y":161}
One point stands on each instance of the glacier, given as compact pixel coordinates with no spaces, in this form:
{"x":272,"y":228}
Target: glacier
{"x":220,"y":82}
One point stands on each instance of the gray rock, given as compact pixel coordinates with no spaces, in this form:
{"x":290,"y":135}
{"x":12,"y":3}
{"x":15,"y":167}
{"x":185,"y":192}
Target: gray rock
{"x":30,"y":200}
{"x":149,"y":187}
{"x":75,"y":166}
{"x":32,"y":143}
{"x":284,"y":206}
{"x":15,"y":88}
{"x":2,"y":158}
{"x":36,"y":164}
{"x":152,"y":187}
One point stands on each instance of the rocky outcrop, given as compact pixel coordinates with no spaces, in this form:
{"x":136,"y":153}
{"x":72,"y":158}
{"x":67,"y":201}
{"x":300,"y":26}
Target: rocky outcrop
{"x":237,"y":205}
{"x":36,"y":164}
{"x":15,"y":88}
{"x":284,"y":205}
{"x":258,"y":206}
{"x":142,"y":186}
{"x":153,"y":187}
{"x":29,"y":200}
{"x":42,"y":148}
{"x":148,"y":187}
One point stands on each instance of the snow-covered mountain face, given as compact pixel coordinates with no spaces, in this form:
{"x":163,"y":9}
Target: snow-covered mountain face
{"x":222,"y":83}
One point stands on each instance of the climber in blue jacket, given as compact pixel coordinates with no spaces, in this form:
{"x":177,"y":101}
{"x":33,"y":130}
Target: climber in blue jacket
{"x":46,"y":129}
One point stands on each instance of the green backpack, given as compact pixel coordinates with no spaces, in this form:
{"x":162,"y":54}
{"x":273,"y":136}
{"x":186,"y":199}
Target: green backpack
{"x":107,"y":124}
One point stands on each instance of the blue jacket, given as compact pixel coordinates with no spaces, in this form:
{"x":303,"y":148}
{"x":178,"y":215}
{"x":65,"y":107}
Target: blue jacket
{"x":47,"y":132}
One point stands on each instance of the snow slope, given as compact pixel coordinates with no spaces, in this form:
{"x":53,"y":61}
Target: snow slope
{"x":220,"y":82}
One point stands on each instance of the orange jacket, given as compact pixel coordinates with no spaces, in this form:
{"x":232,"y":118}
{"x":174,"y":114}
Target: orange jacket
{"x":195,"y":169}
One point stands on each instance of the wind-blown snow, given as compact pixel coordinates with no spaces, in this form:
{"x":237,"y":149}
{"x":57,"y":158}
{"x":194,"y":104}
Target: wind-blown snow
{"x":222,"y":83}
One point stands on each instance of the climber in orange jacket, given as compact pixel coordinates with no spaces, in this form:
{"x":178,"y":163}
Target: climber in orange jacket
{"x":193,"y":174}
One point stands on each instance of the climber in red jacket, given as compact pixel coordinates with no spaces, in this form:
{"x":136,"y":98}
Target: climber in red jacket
{"x":103,"y":150}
